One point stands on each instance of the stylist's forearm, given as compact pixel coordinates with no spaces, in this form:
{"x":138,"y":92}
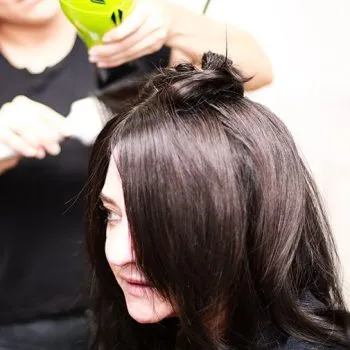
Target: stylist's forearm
{"x":191,"y":35}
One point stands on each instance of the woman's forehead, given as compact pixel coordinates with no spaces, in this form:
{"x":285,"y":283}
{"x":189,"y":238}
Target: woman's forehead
{"x":112,"y":187}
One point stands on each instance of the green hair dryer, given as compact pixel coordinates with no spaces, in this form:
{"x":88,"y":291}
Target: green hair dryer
{"x":93,"y":18}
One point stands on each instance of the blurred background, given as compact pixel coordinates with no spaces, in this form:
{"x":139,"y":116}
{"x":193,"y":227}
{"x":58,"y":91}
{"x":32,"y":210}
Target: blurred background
{"x":308,"y":43}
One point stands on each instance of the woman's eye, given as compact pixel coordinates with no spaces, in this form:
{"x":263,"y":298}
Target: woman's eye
{"x":113,"y":217}
{"x":110,"y":216}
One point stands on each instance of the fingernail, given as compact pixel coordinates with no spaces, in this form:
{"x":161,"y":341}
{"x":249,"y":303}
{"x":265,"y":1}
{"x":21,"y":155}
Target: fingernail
{"x":40,"y":154}
{"x":54,"y":149}
{"x":92,"y":59}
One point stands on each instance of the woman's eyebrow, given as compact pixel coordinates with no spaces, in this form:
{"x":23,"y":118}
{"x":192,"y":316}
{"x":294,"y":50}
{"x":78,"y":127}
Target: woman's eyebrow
{"x":107,"y":200}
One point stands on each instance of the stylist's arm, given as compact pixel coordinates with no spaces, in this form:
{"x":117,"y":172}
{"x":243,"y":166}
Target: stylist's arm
{"x":31,"y":129}
{"x":155,"y":23}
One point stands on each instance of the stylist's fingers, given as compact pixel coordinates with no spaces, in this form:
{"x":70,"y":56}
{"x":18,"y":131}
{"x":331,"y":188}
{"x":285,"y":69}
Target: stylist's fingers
{"x":17,"y":143}
{"x":106,"y":52}
{"x":48,"y":138}
{"x":27,"y":125}
{"x":130,"y":25}
{"x":118,"y":39}
{"x":144,"y":32}
{"x":54,"y":120}
{"x":35,"y":136}
{"x":143,"y":48}
{"x":9,"y":131}
{"x":32,"y":129}
{"x":36,"y":125}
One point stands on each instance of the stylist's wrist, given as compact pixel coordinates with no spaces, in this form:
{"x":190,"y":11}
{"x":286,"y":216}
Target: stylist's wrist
{"x":183,"y":34}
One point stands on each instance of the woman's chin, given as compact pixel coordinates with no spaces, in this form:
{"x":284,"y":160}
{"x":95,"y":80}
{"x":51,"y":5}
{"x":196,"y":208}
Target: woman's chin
{"x":144,"y":316}
{"x":146,"y":311}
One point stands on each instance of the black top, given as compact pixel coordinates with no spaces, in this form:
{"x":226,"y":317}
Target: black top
{"x":296,"y":344}
{"x":282,"y":341}
{"x":41,"y":209}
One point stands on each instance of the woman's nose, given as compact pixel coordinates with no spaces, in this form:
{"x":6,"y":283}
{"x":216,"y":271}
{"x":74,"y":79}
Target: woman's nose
{"x":118,"y":246}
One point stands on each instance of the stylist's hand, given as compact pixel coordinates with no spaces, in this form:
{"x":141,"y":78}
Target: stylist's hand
{"x":31,"y":128}
{"x":144,"y":32}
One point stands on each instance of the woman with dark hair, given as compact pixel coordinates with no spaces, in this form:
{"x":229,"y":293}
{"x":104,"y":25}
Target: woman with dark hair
{"x":205,"y":229}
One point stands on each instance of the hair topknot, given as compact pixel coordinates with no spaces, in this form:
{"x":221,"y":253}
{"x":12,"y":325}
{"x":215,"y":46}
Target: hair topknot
{"x":186,"y":84}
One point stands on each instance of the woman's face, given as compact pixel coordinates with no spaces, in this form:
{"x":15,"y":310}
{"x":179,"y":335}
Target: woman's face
{"x":144,"y":304}
{"x":28,"y":12}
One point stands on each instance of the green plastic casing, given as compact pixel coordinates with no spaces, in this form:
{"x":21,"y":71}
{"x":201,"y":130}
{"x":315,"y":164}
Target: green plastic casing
{"x":93,"y":18}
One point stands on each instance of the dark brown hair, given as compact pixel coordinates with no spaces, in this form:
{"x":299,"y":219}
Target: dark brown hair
{"x":225,"y":219}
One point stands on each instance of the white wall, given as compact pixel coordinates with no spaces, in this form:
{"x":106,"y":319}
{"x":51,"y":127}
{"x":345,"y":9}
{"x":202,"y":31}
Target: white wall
{"x":308,"y":42}
{"x":309,"y":45}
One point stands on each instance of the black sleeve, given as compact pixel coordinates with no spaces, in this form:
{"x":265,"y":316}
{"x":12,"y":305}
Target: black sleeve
{"x":296,"y":344}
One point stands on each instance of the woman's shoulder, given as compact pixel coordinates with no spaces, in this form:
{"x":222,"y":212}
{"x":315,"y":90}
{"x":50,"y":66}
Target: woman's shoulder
{"x":297,"y":344}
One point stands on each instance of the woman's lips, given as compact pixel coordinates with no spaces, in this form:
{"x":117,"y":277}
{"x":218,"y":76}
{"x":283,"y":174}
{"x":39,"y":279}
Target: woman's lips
{"x":135,"y":287}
